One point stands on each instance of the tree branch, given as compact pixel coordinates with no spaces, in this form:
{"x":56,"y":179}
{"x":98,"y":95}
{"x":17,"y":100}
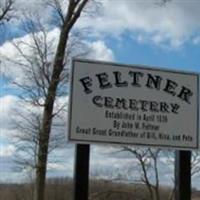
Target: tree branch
{"x":5,"y":10}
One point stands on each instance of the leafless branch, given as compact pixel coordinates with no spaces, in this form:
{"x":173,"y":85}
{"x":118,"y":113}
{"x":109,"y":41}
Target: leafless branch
{"x":56,"y":5}
{"x":6,"y":9}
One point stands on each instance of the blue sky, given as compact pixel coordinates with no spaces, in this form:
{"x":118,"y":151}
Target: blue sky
{"x":125,"y":31}
{"x":131,"y":52}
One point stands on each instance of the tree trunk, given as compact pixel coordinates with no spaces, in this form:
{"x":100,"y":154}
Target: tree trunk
{"x":47,"y":120}
{"x":73,"y":13}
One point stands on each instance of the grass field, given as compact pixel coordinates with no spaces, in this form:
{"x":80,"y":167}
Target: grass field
{"x":62,"y":189}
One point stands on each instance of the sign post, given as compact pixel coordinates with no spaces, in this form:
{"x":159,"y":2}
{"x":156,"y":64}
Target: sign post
{"x":81,"y":174}
{"x":183,"y":175}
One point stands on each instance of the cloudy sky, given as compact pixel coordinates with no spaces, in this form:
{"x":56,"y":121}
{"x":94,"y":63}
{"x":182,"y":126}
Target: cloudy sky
{"x":145,"y":32}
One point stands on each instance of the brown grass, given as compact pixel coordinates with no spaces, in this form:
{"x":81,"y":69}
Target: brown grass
{"x":62,"y":189}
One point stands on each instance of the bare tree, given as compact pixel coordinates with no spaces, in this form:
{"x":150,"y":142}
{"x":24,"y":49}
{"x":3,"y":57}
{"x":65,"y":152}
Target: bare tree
{"x":195,"y":163}
{"x":34,"y":58}
{"x":148,"y":162}
{"x":6,"y":10}
{"x":44,"y":81}
{"x":27,"y":140}
{"x":74,"y":10}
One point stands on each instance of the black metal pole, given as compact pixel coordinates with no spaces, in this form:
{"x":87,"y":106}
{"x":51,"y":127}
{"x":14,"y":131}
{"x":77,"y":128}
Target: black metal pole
{"x":81,"y":174}
{"x":183,"y":175}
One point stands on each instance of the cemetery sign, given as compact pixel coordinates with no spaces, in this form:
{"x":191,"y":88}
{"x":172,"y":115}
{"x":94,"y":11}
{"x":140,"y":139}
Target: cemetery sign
{"x":138,"y":105}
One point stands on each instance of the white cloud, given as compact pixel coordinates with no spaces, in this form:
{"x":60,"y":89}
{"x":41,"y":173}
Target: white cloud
{"x":10,"y":56}
{"x":173,"y":23}
{"x":34,"y":9}
{"x":7,"y":150}
{"x":196,"y":40}
{"x":169,"y":24}
{"x":7,"y":105}
{"x":12,"y":111}
{"x":99,"y":51}
{"x":55,"y":166}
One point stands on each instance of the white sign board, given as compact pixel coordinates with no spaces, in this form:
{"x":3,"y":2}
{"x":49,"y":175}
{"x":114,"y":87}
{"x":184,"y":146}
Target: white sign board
{"x":120,"y":104}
